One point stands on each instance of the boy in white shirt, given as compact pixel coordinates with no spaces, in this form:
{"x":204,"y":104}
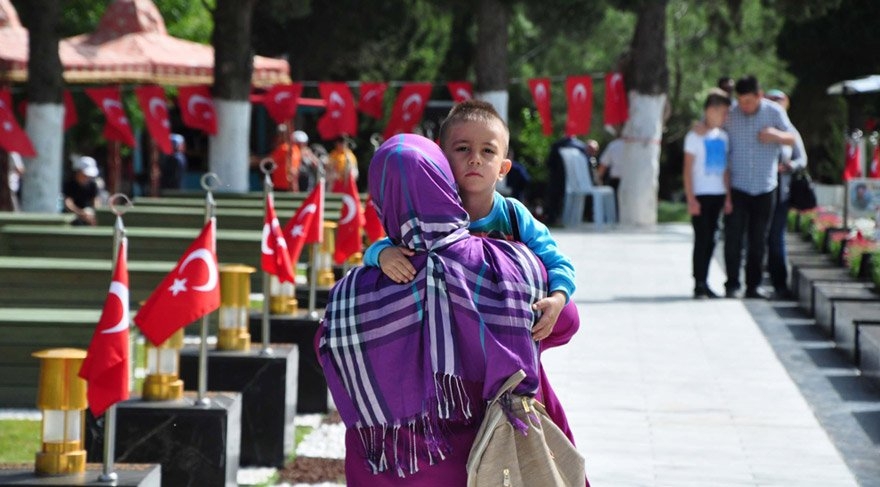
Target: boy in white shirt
{"x":706,"y":185}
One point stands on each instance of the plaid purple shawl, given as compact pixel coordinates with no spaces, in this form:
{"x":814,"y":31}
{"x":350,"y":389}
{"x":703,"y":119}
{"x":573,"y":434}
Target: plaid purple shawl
{"x":400,"y":358}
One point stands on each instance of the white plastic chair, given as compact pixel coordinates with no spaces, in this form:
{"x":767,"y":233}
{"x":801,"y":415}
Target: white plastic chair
{"x":579,"y":185}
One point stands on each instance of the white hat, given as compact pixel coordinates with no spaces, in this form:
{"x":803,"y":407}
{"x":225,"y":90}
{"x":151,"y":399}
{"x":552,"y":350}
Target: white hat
{"x":86,"y":165}
{"x":301,"y":137}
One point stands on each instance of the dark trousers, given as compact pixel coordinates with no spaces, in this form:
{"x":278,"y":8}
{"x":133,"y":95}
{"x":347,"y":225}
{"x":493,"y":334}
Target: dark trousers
{"x":747,"y":224}
{"x":705,"y":225}
{"x":776,"y":255}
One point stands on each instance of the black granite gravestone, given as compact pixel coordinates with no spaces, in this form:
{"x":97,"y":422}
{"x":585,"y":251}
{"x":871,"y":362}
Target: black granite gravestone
{"x":128,"y":475}
{"x":827,"y":294}
{"x":869,"y":349}
{"x":268,"y":385}
{"x":195,"y":445}
{"x":807,"y":277}
{"x":845,"y":316}
{"x":300,"y":329}
{"x":804,"y":261}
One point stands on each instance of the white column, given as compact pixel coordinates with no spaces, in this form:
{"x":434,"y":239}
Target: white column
{"x":41,"y":183}
{"x":229,"y":150}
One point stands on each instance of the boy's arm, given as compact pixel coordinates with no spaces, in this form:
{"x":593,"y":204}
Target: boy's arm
{"x":537,"y":238}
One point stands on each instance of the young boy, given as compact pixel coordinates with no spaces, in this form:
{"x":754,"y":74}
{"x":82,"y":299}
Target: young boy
{"x":705,"y":184}
{"x":475,"y":140}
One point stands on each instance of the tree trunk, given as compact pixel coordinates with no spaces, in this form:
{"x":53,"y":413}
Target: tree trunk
{"x":491,"y":56}
{"x":229,"y":149}
{"x":41,"y":183}
{"x":648,"y":80}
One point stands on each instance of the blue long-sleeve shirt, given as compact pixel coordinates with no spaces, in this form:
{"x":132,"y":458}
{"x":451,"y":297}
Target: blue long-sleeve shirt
{"x":497,"y":224}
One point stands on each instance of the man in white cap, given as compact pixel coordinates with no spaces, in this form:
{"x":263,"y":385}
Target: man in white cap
{"x":175,"y":164}
{"x":309,"y":162}
{"x":81,"y":191}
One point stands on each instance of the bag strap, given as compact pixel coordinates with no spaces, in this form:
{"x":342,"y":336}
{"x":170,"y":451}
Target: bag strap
{"x":510,"y":384}
{"x":514,"y":223}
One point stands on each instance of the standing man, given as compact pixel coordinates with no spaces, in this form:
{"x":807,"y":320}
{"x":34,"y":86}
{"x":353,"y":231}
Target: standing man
{"x":757,"y":129}
{"x":175,"y":164}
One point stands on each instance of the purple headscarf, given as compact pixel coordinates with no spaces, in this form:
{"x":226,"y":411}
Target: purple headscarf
{"x":400,"y":358}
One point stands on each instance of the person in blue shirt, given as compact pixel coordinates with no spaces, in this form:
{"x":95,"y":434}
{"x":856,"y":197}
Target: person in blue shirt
{"x":475,"y":139}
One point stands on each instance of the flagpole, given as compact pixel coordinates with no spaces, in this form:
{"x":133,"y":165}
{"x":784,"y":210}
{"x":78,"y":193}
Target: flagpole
{"x":209,"y":181}
{"x":107,"y":472}
{"x":267,"y":166}
{"x":313,"y":268}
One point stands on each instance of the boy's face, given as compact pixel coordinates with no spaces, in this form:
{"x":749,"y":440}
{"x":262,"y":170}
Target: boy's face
{"x":477,"y":154}
{"x":716,"y":115}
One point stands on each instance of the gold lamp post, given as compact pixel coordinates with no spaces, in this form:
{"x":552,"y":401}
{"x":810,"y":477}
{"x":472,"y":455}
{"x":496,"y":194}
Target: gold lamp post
{"x":282,"y":297}
{"x":162,"y":382}
{"x":324,"y":260}
{"x":62,"y":398}
{"x":235,"y":295}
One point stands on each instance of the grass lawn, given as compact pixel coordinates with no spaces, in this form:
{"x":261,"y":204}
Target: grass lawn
{"x":19,"y":441}
{"x":672,"y":211}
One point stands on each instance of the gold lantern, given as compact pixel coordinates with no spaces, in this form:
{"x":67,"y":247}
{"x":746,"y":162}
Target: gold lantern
{"x":235,"y":295}
{"x":282,"y":297}
{"x":162,"y":382}
{"x":62,"y":398}
{"x":324,"y":260}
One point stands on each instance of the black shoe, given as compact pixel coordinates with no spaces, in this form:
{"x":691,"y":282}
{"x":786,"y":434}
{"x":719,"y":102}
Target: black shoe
{"x":730,"y":294}
{"x":782,"y":295}
{"x":711,"y":294}
{"x":756,"y":293}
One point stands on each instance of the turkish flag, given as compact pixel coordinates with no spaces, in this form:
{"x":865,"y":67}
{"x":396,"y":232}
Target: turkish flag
{"x":408,"y":108}
{"x":852,"y":168}
{"x":579,"y":93}
{"x":340,"y":117}
{"x":12,"y":137}
{"x":197,"y":108}
{"x":372,"y":99}
{"x":460,"y":90}
{"x":151,"y":99}
{"x":349,"y":232}
{"x":117,"y":127}
{"x":191,"y":290}
{"x":616,"y":109}
{"x":105,"y":368}
{"x":372,"y":222}
{"x":307,"y":224}
{"x":874,"y":170}
{"x":281,"y":101}
{"x":540,"y":88}
{"x":70,"y":117}
{"x":276,"y":259}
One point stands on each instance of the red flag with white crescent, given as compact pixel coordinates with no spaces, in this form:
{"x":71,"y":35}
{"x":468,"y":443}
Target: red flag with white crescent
{"x":281,"y":101}
{"x":408,"y":108}
{"x":151,"y":99}
{"x":874,"y":172}
{"x":12,"y":137}
{"x":106,"y":365}
{"x":372,"y":223}
{"x":579,"y":93}
{"x":852,"y":167}
{"x":372,"y":99}
{"x":460,"y":90}
{"x":117,"y":127}
{"x":190,"y":291}
{"x":349,"y":230}
{"x":197,"y":108}
{"x":70,"y":117}
{"x":616,"y":109}
{"x":340,"y":117}
{"x":540,"y":88}
{"x":307,"y":224}
{"x":275,"y":259}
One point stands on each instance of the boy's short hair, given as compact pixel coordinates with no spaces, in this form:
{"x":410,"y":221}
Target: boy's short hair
{"x":472,"y":111}
{"x":716,"y":97}
{"x":747,"y":85}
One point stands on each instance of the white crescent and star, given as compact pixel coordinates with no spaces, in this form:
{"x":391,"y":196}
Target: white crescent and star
{"x":463,"y":94}
{"x":415,"y":99}
{"x":119,"y":290}
{"x":297,"y":229}
{"x":370,"y":94}
{"x":196,"y":100}
{"x":579,"y":90}
{"x":279,"y":241}
{"x":156,"y":102}
{"x":281,"y":96}
{"x":350,"y":209}
{"x":206,"y":256}
{"x":540,"y":91}
{"x":109,"y":105}
{"x":337,"y":99}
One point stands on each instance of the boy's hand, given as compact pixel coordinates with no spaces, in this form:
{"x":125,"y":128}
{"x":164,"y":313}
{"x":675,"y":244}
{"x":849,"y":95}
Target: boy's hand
{"x":394,"y":262}
{"x":550,"y":306}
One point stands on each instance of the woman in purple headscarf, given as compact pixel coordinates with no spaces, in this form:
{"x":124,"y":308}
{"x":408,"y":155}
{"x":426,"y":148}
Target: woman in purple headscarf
{"x":411,"y":366}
